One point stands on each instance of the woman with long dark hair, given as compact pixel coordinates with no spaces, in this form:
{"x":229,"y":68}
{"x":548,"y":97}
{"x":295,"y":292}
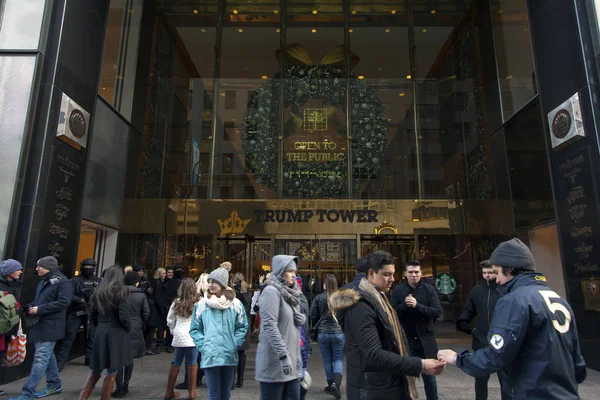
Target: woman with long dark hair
{"x":178,"y":321}
{"x":245,"y":297}
{"x":330,"y":336}
{"x":112,"y":344}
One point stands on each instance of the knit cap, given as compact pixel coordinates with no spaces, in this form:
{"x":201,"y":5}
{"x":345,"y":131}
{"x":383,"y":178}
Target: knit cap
{"x":9,"y":266}
{"x":131,"y":278}
{"x":220,"y":275}
{"x":49,"y":262}
{"x":513,"y":254}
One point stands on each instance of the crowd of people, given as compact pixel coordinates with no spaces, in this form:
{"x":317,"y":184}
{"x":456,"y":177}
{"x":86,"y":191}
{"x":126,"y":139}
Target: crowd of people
{"x":383,"y":332}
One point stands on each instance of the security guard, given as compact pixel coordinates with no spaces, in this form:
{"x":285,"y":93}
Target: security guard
{"x":533,"y":335}
{"x":84,"y":285}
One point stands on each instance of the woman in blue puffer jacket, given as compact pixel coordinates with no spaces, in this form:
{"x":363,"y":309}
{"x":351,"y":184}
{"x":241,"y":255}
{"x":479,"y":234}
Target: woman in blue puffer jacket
{"x":218,"y":328}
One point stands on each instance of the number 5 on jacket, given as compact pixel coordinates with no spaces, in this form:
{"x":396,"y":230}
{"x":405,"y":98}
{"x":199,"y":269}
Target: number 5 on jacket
{"x":554,"y":307}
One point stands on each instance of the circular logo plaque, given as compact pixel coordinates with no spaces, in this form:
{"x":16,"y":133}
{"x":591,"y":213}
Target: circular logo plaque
{"x":561,"y":124}
{"x":445,"y":283}
{"x":77,"y":123}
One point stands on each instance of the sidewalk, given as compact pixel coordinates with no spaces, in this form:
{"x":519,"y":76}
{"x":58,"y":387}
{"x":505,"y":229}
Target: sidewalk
{"x":150,"y":379}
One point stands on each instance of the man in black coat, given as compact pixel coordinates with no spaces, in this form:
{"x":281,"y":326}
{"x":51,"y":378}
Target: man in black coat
{"x":533,"y":334}
{"x":171,"y":287}
{"x":78,"y":313}
{"x":418,"y":307}
{"x":52,"y":297}
{"x":481,"y":303}
{"x":361,"y":272}
{"x":378,"y":363}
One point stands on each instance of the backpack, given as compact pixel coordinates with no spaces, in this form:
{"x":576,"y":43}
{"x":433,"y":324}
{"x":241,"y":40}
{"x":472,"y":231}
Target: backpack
{"x":9,"y":314}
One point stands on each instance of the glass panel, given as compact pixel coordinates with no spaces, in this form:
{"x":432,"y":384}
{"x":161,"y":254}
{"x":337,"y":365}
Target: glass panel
{"x":514,"y":54}
{"x":248,"y":81}
{"x":379,"y":42}
{"x":21,"y":24}
{"x":16,"y":78}
{"x":119,"y":60}
{"x":528,"y":167}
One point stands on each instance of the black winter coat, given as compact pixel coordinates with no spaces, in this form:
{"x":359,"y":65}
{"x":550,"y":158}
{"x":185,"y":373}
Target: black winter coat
{"x":112,"y":342}
{"x":375,"y":369}
{"x":355,"y":282}
{"x":154,"y":318}
{"x":422,"y":317}
{"x":533,"y":337}
{"x":319,"y":311}
{"x":139,"y":311}
{"x":481,"y":304}
{"x":14,"y":288}
{"x":52,"y":297}
{"x":83,"y":288}
{"x":246,"y":300}
{"x":159,"y":294}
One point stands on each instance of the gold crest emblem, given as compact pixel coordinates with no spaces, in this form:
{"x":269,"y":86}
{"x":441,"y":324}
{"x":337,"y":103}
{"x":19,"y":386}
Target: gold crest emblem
{"x":234,"y":224}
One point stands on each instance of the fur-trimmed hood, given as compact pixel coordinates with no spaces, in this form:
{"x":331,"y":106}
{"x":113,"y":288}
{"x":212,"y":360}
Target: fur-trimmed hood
{"x":342,"y":300}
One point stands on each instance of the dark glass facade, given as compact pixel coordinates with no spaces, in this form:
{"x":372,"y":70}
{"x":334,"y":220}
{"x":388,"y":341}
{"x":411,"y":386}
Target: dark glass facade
{"x":236,"y":130}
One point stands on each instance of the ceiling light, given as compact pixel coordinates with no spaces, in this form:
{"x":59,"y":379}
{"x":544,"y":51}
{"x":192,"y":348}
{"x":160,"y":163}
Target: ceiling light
{"x":195,"y":11}
{"x":235,"y":11}
{"x":509,"y":77}
{"x":402,"y":94}
{"x":314,"y":11}
{"x":433,"y":11}
{"x":424,"y":30}
{"x":240,"y":30}
{"x":203,"y":30}
{"x":222,"y":94}
{"x":275,"y":11}
{"x":408,"y":76}
{"x":277,"y":30}
{"x":314,"y":31}
{"x":353,"y":12}
{"x":416,"y":200}
{"x":350,"y":30}
{"x":416,"y":219}
{"x":264,"y":76}
{"x":361,"y":77}
{"x":393,"y":11}
{"x":387,"y":31}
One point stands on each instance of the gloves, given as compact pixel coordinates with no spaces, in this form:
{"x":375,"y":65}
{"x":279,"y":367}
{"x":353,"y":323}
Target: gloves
{"x":286,"y":365}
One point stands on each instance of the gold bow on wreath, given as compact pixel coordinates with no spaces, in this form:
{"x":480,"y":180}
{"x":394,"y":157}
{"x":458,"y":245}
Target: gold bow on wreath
{"x":295,"y":55}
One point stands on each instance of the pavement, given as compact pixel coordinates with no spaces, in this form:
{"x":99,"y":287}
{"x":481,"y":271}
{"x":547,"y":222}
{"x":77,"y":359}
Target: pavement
{"x":150,"y":379}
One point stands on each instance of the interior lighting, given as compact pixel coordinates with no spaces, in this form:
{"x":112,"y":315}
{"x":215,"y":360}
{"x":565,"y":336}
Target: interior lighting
{"x":264,"y":76}
{"x":275,"y":11}
{"x":402,"y":94}
{"x":416,"y":200}
{"x":416,"y":219}
{"x":235,"y":11}
{"x":350,"y":30}
{"x":509,"y":77}
{"x":203,"y":30}
{"x":314,"y":31}
{"x":393,"y":11}
{"x":240,"y":30}
{"x":195,"y":11}
{"x":353,"y":12}
{"x":387,"y":31}
{"x":424,"y":30}
{"x":433,"y":11}
{"x":277,"y":30}
{"x":408,"y":76}
{"x":361,"y":77}
{"x":314,"y":11}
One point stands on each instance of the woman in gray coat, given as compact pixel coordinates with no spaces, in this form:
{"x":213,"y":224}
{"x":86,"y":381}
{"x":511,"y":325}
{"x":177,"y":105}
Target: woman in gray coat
{"x":278,"y":357}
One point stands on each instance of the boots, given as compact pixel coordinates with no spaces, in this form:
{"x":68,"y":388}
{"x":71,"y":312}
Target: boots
{"x":183,"y":385}
{"x":336,"y":386}
{"x":121,"y":391}
{"x":88,"y":386}
{"x":107,"y":386}
{"x":192,"y":375}
{"x":170,"y":394}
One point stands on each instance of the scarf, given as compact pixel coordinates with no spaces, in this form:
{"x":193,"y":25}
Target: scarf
{"x":219,"y":303}
{"x":291,"y":295}
{"x":399,"y":336}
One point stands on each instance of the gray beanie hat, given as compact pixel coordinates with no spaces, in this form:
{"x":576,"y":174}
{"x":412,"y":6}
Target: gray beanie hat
{"x":513,"y":254}
{"x":49,"y":263}
{"x":220,"y":275}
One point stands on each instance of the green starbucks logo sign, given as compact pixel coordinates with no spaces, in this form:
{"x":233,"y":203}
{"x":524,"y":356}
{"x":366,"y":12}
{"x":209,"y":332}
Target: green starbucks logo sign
{"x":445,"y":283}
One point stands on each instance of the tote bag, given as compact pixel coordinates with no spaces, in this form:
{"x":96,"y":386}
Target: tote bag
{"x":15,"y":351}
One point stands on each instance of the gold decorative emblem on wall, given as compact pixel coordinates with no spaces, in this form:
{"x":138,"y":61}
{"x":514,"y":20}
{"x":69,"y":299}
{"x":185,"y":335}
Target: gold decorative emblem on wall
{"x":315,"y":119}
{"x":233,"y":225}
{"x":386,"y":228}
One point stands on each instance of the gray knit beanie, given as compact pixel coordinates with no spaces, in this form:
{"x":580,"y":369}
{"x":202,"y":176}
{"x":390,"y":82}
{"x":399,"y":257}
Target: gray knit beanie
{"x":48,"y":262}
{"x":513,"y":254}
{"x":220,"y":275}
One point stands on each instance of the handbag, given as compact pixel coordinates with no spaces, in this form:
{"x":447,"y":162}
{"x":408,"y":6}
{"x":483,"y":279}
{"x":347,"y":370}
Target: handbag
{"x":16,"y":350}
{"x":314,"y":331}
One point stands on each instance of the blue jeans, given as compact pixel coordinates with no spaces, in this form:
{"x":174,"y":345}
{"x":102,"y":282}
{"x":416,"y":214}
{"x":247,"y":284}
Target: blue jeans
{"x":332,"y":351}
{"x":44,"y":363}
{"x":280,"y":391}
{"x":190,"y":354}
{"x":219,"y":381}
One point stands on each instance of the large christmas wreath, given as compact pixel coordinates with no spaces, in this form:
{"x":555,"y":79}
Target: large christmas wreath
{"x":305,"y":179}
